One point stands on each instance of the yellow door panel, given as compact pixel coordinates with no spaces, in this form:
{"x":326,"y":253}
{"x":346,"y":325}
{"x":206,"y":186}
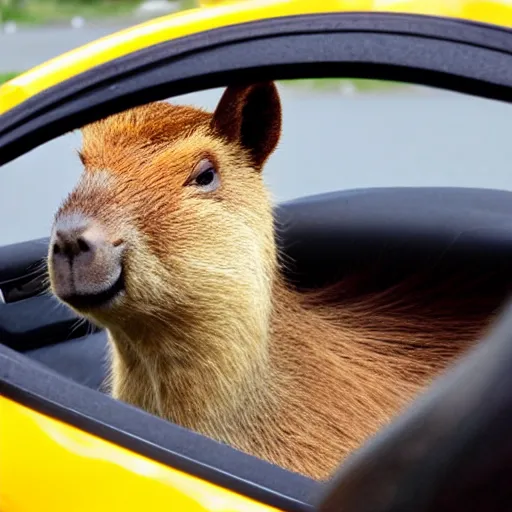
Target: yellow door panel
{"x":49,"y":465}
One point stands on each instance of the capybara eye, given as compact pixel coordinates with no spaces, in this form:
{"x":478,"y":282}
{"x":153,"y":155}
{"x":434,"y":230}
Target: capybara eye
{"x":205,"y":176}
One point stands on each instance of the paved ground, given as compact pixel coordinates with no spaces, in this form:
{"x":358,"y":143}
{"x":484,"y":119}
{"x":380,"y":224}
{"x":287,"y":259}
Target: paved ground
{"x":30,"y":47}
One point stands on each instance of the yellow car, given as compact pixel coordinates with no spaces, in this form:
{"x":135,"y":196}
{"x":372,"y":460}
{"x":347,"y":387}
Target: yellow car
{"x":67,"y":446}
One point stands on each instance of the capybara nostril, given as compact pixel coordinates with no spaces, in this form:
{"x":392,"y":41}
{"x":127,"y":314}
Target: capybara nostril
{"x":83,"y":245}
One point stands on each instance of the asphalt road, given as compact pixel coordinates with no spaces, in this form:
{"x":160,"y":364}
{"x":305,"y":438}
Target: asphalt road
{"x":29,"y":47}
{"x":329,"y":142}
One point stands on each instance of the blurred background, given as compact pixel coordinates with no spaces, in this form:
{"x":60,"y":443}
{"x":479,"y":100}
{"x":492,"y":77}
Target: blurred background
{"x":337,"y":134}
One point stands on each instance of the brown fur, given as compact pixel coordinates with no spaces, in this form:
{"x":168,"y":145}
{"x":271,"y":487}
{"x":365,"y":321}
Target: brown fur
{"x":209,"y":335}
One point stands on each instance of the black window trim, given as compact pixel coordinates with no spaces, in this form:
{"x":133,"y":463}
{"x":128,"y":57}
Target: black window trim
{"x":419,"y":49}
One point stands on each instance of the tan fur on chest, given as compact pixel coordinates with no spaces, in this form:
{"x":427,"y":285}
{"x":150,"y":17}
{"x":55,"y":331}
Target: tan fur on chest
{"x":206,"y":333}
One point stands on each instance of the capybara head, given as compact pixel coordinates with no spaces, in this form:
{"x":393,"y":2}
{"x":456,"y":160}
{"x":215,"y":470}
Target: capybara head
{"x":171,"y":218}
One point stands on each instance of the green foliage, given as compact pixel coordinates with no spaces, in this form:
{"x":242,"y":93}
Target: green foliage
{"x":338,"y":84}
{"x":5,"y":77}
{"x":43,"y":11}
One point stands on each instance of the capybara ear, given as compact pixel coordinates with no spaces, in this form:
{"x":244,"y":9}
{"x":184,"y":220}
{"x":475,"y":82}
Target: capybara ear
{"x":250,"y":115}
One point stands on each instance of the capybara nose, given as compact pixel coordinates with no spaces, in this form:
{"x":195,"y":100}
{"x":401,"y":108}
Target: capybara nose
{"x":71,"y":238}
{"x":85,"y":265}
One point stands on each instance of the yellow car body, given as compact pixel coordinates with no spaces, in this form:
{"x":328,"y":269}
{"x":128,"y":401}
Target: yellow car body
{"x":49,"y":464}
{"x":72,"y":470}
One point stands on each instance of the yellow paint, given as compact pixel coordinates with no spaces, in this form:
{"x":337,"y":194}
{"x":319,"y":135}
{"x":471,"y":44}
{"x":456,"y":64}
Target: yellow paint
{"x":49,"y":465}
{"x":218,"y":13}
